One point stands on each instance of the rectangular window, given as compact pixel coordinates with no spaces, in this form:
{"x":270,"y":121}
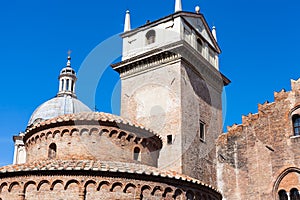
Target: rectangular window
{"x":169,"y":139}
{"x":202,"y":131}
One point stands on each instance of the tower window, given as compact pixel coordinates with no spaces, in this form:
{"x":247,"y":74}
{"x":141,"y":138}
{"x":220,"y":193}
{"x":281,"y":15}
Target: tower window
{"x":294,"y":194}
{"x":136,"y":154}
{"x":169,"y":139}
{"x":202,"y":131}
{"x":282,"y":195}
{"x":199,"y":45}
{"x":296,"y":125}
{"x":150,"y":37}
{"x":52,"y":151}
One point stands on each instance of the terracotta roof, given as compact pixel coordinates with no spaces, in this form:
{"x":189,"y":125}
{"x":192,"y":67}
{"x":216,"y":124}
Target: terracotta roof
{"x":89,"y":116}
{"x":100,"y":166}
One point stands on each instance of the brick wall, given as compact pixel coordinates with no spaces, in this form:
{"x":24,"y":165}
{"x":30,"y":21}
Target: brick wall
{"x":92,"y":187}
{"x":90,"y":141}
{"x":260,"y":156}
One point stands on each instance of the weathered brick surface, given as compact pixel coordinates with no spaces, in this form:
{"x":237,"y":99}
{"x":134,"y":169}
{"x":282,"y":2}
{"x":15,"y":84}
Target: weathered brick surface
{"x":200,"y":102}
{"x":51,"y":186}
{"x":259,"y":157}
{"x":92,"y":140}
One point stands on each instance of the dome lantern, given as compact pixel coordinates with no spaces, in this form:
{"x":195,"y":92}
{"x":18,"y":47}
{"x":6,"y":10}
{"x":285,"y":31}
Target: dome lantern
{"x":67,"y":79}
{"x":65,"y":101}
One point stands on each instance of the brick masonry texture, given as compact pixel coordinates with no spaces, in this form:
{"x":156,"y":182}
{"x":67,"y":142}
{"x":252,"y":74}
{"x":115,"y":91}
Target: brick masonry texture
{"x":85,"y":180}
{"x":260,"y":157}
{"x":93,"y":139}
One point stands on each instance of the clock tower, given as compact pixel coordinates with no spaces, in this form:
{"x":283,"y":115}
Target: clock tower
{"x":171,"y":83}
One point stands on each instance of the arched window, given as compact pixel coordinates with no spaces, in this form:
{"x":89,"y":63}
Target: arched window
{"x":296,"y":125}
{"x":282,"y":195}
{"x":150,"y":37}
{"x":52,"y":151}
{"x":136,"y":154}
{"x":190,"y":195}
{"x":294,"y":194}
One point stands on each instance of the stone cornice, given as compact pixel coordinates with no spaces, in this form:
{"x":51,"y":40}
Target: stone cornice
{"x":180,"y":51}
{"x":146,"y":64}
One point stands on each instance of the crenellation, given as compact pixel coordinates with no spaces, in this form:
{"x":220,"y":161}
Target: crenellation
{"x":262,"y":107}
{"x":235,"y":128}
{"x":295,"y":84}
{"x":249,"y":119}
{"x":282,"y":95}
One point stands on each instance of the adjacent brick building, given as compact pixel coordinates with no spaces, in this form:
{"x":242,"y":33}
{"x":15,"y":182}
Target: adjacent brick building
{"x":259,"y":159}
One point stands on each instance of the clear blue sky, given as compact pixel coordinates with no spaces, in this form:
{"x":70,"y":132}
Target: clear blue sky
{"x":259,"y":41}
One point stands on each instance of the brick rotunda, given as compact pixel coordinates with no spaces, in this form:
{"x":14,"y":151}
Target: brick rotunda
{"x":74,"y":154}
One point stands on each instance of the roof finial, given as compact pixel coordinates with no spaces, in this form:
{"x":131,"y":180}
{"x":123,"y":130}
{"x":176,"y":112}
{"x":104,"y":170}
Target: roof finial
{"x":127,"y":25}
{"x":214,"y":32}
{"x":178,"y":6}
{"x":67,"y":79}
{"x":197,"y":9}
{"x":69,"y":58}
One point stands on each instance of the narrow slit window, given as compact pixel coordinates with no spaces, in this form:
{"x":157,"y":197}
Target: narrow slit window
{"x":136,"y":154}
{"x":169,"y":139}
{"x":202,"y":131}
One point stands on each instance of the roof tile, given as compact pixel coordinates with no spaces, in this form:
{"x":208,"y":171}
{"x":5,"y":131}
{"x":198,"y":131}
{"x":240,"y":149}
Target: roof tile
{"x":111,"y":166}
